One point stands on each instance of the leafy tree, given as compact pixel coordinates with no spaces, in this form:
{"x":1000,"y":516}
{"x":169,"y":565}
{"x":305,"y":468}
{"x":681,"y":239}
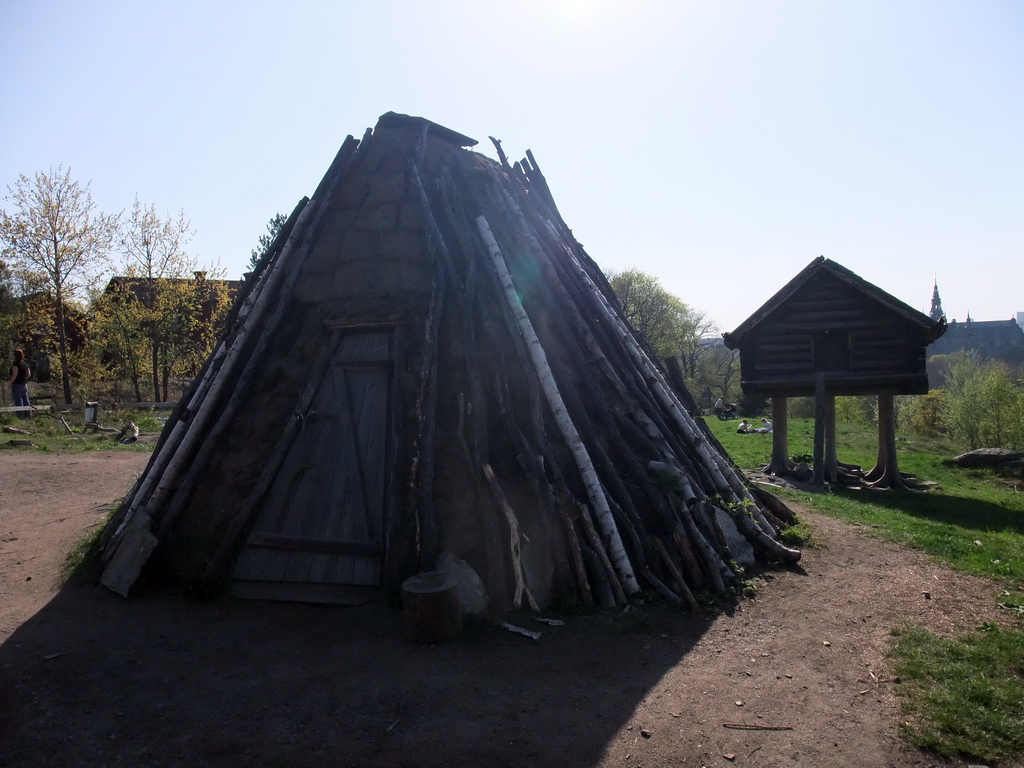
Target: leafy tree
{"x":921,"y":413}
{"x":154,"y":249}
{"x":267,"y":239}
{"x":860,"y":410}
{"x":671,"y":327}
{"x":982,"y":406}
{"x":56,"y":238}
{"x":8,"y":309}
{"x":720,"y":370}
{"x":159,"y":320}
{"x":119,"y":335}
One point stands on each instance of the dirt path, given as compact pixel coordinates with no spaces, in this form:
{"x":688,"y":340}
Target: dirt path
{"x":87,"y":678}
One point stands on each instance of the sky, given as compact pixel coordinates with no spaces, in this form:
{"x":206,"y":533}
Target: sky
{"x":718,"y":145}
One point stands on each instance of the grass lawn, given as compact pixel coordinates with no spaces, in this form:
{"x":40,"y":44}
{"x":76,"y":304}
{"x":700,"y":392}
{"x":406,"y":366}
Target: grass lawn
{"x":48,"y":434}
{"x":962,"y":695}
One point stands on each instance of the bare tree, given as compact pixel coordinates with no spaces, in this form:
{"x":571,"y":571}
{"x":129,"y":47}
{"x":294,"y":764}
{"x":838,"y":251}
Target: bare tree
{"x":153,"y":247}
{"x":55,"y":236}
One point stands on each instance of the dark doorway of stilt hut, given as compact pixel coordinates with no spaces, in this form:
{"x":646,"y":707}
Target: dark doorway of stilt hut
{"x":319,"y":535}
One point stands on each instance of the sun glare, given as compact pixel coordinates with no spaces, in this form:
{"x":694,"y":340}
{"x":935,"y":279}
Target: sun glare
{"x":575,"y":15}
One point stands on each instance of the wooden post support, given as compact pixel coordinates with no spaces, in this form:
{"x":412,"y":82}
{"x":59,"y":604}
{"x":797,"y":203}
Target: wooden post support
{"x":831,"y":452}
{"x":430,"y":604}
{"x":820,"y":408}
{"x":780,"y":437}
{"x":886,"y":472}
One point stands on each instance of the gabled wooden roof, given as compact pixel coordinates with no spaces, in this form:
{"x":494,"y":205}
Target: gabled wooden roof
{"x":932,"y":329}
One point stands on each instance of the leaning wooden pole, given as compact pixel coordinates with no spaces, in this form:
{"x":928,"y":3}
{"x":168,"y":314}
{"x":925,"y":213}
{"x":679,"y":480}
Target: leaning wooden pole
{"x":133,"y":541}
{"x":570,"y":435}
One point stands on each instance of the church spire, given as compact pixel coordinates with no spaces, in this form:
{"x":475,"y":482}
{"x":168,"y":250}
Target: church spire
{"x":936,"y":312}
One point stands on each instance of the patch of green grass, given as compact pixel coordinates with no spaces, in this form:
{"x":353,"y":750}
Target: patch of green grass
{"x":48,"y":434}
{"x":799,"y":534}
{"x":963,"y":695}
{"x":83,"y":563}
{"x":972,"y":520}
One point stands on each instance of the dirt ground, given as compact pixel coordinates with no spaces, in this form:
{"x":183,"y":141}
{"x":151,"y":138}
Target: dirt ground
{"x":90,"y":679}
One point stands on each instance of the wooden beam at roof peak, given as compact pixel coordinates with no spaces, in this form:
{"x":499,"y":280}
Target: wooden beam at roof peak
{"x":396,"y":120}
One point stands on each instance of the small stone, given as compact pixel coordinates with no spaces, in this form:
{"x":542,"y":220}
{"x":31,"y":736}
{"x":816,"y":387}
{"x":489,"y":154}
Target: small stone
{"x":739,"y":703}
{"x":826,"y":643}
{"x":645,"y":733}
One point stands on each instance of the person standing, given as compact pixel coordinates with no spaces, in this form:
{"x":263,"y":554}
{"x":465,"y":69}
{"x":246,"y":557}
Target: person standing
{"x":20,"y":374}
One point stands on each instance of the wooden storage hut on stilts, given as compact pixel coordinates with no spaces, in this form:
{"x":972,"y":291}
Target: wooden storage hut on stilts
{"x":829,"y":332}
{"x":427,"y":368}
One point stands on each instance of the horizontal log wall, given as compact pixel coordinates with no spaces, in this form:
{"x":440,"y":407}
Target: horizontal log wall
{"x":827,"y":325}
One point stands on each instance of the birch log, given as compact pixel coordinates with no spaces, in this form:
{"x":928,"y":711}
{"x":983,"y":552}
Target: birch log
{"x":595,"y":493}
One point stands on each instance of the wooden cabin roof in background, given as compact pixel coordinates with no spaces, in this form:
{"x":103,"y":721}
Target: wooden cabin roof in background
{"x":821,"y":265}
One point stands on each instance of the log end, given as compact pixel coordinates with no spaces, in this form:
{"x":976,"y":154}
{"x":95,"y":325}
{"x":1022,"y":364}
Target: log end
{"x":430,"y":607}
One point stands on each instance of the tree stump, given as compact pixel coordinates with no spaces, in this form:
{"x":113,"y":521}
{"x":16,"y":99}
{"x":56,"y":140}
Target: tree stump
{"x":431,"y":607}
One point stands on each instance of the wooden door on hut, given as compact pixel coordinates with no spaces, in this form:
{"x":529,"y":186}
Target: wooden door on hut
{"x":320,"y":534}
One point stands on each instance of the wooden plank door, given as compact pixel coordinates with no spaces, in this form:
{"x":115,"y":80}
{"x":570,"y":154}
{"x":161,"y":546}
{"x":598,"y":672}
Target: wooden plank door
{"x":319,"y":535}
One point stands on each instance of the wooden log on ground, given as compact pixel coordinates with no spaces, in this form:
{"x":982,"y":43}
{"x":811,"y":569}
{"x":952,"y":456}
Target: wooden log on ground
{"x":430,"y":607}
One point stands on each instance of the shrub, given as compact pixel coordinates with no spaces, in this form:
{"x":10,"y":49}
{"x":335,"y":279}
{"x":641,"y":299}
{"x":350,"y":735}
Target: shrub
{"x":861,"y":411}
{"x":982,"y":406}
{"x":921,"y":414}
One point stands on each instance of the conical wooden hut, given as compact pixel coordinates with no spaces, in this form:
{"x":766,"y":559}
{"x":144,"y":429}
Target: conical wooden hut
{"x":427,"y":367}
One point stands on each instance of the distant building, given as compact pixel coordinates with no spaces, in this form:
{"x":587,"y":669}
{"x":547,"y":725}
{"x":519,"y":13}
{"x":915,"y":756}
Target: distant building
{"x":936,"y":313}
{"x":996,"y":339}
